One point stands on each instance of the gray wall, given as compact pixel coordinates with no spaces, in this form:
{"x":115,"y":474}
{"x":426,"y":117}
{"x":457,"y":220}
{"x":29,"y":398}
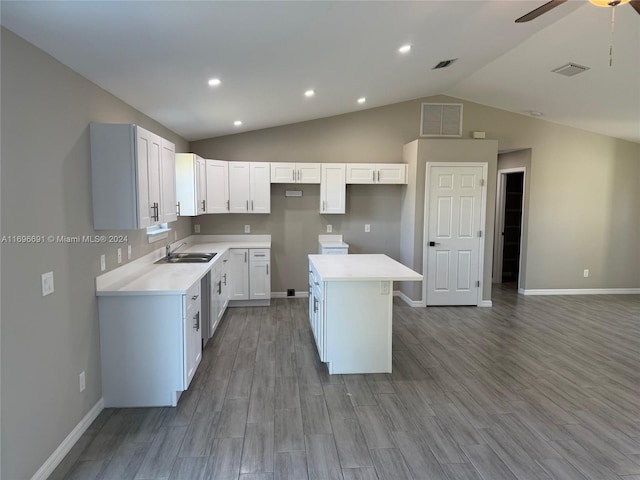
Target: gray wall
{"x":583,"y":196}
{"x":46,"y":190}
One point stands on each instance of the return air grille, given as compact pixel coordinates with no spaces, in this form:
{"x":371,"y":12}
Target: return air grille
{"x":444,"y":63}
{"x":441,"y":120}
{"x":570,"y":69}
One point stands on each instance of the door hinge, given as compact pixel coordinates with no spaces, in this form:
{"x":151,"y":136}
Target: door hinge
{"x":477,"y":283}
{"x":482,"y":182}
{"x":479,"y":233}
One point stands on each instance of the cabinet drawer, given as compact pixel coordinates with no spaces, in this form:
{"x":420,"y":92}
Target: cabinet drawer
{"x":258,"y":254}
{"x":193,"y":298}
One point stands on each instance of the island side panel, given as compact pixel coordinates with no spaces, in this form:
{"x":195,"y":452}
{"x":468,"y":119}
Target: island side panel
{"x":141,"y":339}
{"x":358,"y":328}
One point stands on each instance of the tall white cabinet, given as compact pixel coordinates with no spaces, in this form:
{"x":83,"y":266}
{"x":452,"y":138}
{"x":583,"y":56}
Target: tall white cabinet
{"x":249,"y":187}
{"x":132,"y":177}
{"x":333,"y":188}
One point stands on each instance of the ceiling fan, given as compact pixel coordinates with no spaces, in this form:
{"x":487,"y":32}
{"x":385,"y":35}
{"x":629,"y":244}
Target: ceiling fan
{"x":556,"y":3}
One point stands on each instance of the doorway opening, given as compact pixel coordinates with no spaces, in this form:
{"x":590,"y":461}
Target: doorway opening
{"x":509,"y":226}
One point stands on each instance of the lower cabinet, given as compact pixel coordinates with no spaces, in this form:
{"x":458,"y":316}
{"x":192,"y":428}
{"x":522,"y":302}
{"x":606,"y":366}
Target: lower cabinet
{"x":150,"y":347}
{"x":250,"y":276}
{"x":219,"y":294}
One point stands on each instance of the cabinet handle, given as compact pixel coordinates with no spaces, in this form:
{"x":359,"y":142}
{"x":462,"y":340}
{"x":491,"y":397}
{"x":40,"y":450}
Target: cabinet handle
{"x":245,"y":257}
{"x":220,"y":287}
{"x":156,"y":214}
{"x":315,"y":304}
{"x":178,"y":206}
{"x":267,"y":269}
{"x":317,"y":283}
{"x":225,"y":278}
{"x":203,"y":208}
{"x":293,"y":173}
{"x":227,"y":205}
{"x":247,"y":205}
{"x":373,"y":176}
{"x":378,"y":175}
{"x":195,"y":297}
{"x":252,"y":205}
{"x":324,"y":205}
{"x":197,"y":319}
{"x":258,"y":254}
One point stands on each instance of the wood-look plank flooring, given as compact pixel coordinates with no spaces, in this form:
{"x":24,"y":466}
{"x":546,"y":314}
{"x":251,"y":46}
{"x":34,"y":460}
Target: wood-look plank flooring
{"x":534,"y":388}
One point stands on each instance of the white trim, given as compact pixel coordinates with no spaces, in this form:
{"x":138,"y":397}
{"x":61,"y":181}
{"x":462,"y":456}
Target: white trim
{"x":407,"y":300}
{"x":483,"y":220}
{"x":299,"y":294}
{"x":486,"y":303}
{"x":580,"y":291}
{"x":67,"y":444}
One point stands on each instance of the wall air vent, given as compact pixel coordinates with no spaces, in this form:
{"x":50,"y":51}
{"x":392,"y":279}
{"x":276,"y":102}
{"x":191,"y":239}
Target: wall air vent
{"x":441,"y":120}
{"x":444,"y":63}
{"x":570,"y":69}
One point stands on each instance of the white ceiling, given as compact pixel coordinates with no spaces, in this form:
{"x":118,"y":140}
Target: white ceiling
{"x":158,"y":56}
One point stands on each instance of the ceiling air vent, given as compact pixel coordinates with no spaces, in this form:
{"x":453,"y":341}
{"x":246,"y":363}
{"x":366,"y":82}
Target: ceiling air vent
{"x":441,"y":120}
{"x":444,"y":63}
{"x":570,"y":69}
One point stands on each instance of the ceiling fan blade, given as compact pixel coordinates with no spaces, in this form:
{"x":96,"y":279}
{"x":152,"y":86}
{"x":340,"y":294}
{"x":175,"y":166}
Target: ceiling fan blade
{"x":636,"y":5}
{"x":542,"y":9}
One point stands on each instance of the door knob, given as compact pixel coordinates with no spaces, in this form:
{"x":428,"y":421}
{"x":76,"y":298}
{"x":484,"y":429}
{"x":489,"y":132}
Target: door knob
{"x":433,"y":244}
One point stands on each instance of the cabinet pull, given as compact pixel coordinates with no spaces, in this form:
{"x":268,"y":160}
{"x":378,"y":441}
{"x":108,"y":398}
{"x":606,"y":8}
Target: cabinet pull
{"x":267,"y":269}
{"x":197,"y":319}
{"x":178,"y":206}
{"x":293,"y":173}
{"x":227,"y":207}
{"x":225,"y":278}
{"x":195,"y":297}
{"x":378,"y":175}
{"x":220,"y":287}
{"x":373,"y":176}
{"x":245,"y":257}
{"x":203,"y":208}
{"x":315,"y":304}
{"x":258,"y":254}
{"x":324,"y":205}
{"x":156,"y":215}
{"x":252,"y":205}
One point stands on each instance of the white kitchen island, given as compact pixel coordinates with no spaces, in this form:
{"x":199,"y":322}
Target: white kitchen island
{"x":351,"y":310}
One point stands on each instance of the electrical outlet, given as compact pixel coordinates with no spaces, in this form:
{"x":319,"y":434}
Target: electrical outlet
{"x":384,"y":288}
{"x":247,"y":229}
{"x":586,"y":272}
{"x":103,"y":263}
{"x":175,"y":236}
{"x":291,"y":292}
{"x":128,"y":252}
{"x":119,"y":255}
{"x":82,"y":381}
{"x":196,"y":228}
{"x":329,"y":228}
{"x":47,"y":284}
{"x":367,"y":228}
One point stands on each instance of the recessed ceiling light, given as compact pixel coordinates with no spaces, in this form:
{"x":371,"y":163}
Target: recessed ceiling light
{"x":405,"y":48}
{"x":214,"y":82}
{"x":237,"y":123}
{"x":533,"y":113}
{"x":309,"y":93}
{"x":362,"y":100}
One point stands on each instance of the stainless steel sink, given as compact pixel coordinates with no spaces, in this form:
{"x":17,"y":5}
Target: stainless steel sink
{"x":191,"y":257}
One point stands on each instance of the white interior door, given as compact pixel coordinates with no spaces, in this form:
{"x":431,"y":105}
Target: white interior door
{"x":454,"y":202}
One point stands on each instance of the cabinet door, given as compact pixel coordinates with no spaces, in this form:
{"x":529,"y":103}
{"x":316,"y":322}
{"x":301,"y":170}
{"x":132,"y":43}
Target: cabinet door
{"x":226,"y":285}
{"x":216,"y":287}
{"x":149,"y":186}
{"x":238,"y":187}
{"x":308,"y":172}
{"x":283,"y":172}
{"x":333,"y":188}
{"x":259,"y":275}
{"x":361,"y":173}
{"x":201,"y":186}
{"x":239,"y":274}
{"x":391,"y":173}
{"x":169,"y":202}
{"x":217,"y":198}
{"x":260,"y":187}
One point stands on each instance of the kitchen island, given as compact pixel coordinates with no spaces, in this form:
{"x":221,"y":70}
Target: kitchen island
{"x":351,"y":310}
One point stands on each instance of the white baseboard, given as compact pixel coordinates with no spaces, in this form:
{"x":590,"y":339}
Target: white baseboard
{"x":580,"y":291}
{"x":58,"y":455}
{"x":407,"y":300}
{"x":300,"y":294}
{"x":485,"y":303}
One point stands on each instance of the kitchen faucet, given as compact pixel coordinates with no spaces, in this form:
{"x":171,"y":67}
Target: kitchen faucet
{"x":170,"y":252}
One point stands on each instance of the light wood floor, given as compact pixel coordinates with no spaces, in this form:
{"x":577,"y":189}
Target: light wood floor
{"x":535,"y":388}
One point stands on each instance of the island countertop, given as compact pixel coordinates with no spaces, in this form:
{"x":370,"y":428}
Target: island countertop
{"x":361,"y":267}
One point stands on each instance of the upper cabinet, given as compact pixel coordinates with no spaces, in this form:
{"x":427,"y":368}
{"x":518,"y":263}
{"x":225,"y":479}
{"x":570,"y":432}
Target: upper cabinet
{"x":295,"y":172}
{"x":369,"y":173}
{"x":249,"y":187}
{"x":132,"y":176}
{"x":333,"y":188}
{"x":191,"y":184}
{"x":217,"y":198}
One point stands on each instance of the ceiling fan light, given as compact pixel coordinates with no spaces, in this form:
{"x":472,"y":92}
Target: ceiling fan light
{"x":607,"y":3}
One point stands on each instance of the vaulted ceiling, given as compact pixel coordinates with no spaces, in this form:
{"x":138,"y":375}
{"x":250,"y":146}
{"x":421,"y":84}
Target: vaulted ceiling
{"x":159,"y":57}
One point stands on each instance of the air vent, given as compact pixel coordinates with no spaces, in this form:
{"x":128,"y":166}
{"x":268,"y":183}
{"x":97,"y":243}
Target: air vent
{"x":444,"y":63}
{"x":570,"y":69}
{"x":441,"y":120}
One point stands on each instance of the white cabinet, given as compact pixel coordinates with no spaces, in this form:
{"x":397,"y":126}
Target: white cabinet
{"x":316,"y":313}
{"x":150,"y":347}
{"x":191,"y":184}
{"x":132,"y":176}
{"x":219,"y":295}
{"x":250,"y":278}
{"x":217,"y":191}
{"x":384,"y":173}
{"x":249,"y":187}
{"x":295,"y":172}
{"x":333,"y":188}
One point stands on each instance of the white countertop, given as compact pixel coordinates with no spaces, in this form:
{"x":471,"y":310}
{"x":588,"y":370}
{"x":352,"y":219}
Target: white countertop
{"x":144,"y":277}
{"x":361,"y":267}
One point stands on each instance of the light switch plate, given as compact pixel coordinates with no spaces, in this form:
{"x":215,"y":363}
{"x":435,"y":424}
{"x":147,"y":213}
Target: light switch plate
{"x":128,"y":252}
{"x":196,"y":228}
{"x":384,"y":288}
{"x":47,"y":284}
{"x":247,"y":229}
{"x":119,"y":255}
{"x":103,"y":263}
{"x":367,"y":228}
{"x":329,"y":228}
